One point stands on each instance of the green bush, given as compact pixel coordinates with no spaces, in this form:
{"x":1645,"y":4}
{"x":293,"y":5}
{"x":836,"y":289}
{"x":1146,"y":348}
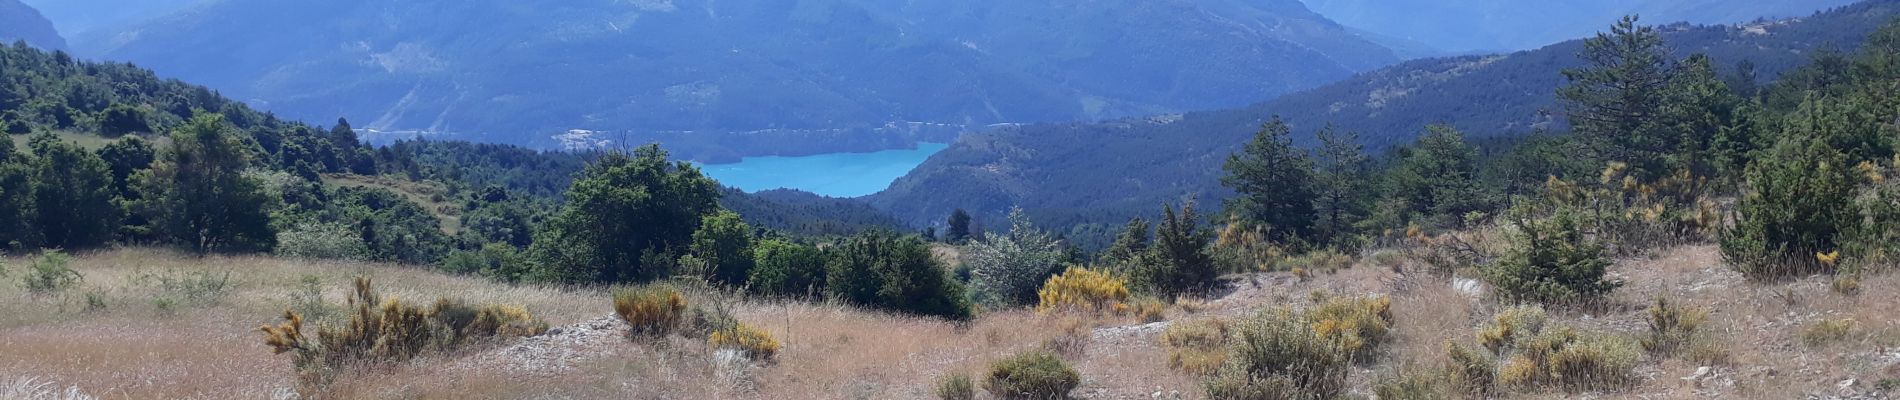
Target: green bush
{"x":1471,"y":372}
{"x":496,"y":261}
{"x":1672,"y":327}
{"x":1007,"y":269}
{"x":1552,"y":261}
{"x":1278,"y":355}
{"x":882,"y":270}
{"x":1032,"y":375}
{"x":322,"y":240}
{"x":787,"y":269}
{"x":48,"y":273}
{"x":1799,"y":202}
{"x":1197,"y":347}
{"x":956,"y":386}
{"x":1572,"y":360}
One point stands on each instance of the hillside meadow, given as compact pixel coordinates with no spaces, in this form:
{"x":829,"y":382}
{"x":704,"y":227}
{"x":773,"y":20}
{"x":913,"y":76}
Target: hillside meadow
{"x":147,"y":323}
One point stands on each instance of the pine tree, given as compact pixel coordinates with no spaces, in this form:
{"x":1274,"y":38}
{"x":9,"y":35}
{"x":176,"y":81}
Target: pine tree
{"x":1699,"y":108}
{"x":1614,"y":103}
{"x":198,"y":197}
{"x":1006,"y":269}
{"x":959,"y":227}
{"x":1131,"y":243}
{"x":1436,"y":177}
{"x":1273,"y":182}
{"x":1180,"y":257}
{"x":1343,"y":184}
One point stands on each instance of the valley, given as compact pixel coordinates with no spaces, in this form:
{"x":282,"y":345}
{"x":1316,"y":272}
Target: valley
{"x":952,"y":200}
{"x":834,"y":175}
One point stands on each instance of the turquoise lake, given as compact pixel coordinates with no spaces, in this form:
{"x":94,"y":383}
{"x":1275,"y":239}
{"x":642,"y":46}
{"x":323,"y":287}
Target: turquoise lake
{"x":835,"y":174}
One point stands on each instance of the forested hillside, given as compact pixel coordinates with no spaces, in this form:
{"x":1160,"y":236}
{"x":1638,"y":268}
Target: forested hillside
{"x":1103,"y":172}
{"x":1464,"y":26}
{"x":22,"y":22}
{"x":858,"y":74}
{"x":106,"y":153}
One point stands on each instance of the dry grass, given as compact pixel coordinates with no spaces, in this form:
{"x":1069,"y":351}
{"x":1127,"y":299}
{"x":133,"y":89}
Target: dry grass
{"x":209,"y":349}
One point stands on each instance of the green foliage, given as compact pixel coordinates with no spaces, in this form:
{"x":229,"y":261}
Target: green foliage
{"x":17,"y":208}
{"x":1278,"y":355}
{"x":1798,"y":203}
{"x":394,"y":228}
{"x":956,"y":386}
{"x":621,"y":210}
{"x":1273,"y":182}
{"x":126,"y":156}
{"x":1179,"y":261}
{"x":1131,"y":244}
{"x":1614,"y":102}
{"x":787,"y":269}
{"x":1551,"y":261}
{"x":78,"y":187}
{"x":1197,"y":347}
{"x":725,"y":243}
{"x":48,"y":273}
{"x":198,"y":197}
{"x":496,"y":261}
{"x":1672,"y":327}
{"x":882,"y":270}
{"x":959,"y":227}
{"x":1034,"y":375}
{"x":1006,"y":270}
{"x":123,"y":119}
{"x":1471,"y":372}
{"x":1436,"y":179}
{"x":322,"y":240}
{"x":1344,"y":187}
{"x":1572,"y":360}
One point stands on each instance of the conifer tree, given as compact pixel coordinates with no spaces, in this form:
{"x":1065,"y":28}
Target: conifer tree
{"x":1615,"y":101}
{"x":959,"y":227}
{"x":1344,"y":184}
{"x":1273,"y":182}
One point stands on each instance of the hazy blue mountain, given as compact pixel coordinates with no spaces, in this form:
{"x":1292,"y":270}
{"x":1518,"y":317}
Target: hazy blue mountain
{"x":77,"y":17}
{"x":19,"y":21}
{"x":1062,"y":172}
{"x":1163,"y":55}
{"x":523,"y":71}
{"x":1462,"y":26}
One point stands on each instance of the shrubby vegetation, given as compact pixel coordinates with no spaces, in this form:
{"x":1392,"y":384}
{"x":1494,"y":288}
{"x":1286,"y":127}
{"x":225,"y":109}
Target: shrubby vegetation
{"x":1033,"y":375}
{"x":382,"y":331}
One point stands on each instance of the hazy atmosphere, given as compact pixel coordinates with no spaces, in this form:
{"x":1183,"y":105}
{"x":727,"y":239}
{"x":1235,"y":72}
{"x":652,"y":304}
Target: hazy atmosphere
{"x":949,"y":199}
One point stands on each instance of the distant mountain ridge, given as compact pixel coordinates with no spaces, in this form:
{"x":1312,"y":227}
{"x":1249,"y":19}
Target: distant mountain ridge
{"x":19,"y":21}
{"x":1064,"y":172}
{"x":523,"y":71}
{"x":1465,"y":26}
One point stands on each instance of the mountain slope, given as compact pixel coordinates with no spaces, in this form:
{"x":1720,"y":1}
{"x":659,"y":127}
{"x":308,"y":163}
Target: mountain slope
{"x":1164,"y":55}
{"x":19,"y":21}
{"x":76,"y":17}
{"x":1462,"y":26}
{"x":523,"y":71}
{"x":1095,"y":172}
